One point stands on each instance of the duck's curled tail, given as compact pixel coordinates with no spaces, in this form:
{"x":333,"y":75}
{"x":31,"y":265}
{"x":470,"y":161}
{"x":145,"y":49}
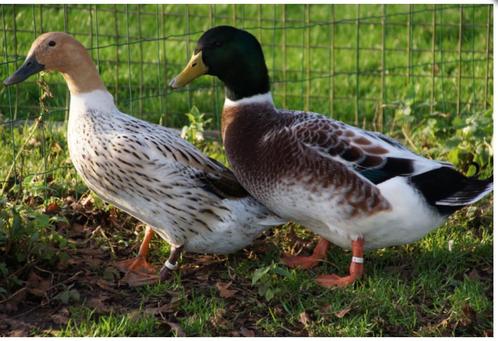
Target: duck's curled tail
{"x":448,"y":190}
{"x":473,"y":190}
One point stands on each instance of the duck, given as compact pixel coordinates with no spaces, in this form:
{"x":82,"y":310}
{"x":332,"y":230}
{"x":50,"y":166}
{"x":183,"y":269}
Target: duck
{"x":189,"y":199}
{"x":358,"y":189}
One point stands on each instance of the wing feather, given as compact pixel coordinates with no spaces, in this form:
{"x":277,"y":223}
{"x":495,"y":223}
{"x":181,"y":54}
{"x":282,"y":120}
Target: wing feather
{"x":369,"y":154}
{"x":160,"y":152}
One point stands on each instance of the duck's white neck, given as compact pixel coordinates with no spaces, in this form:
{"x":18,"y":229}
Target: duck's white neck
{"x":100,"y":100}
{"x":256,"y":99}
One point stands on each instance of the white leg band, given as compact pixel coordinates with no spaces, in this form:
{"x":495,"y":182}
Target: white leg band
{"x":171,"y":266}
{"x":358,"y":260}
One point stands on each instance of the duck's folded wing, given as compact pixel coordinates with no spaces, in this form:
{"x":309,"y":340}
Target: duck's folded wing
{"x":164,"y":156}
{"x":223,"y":183}
{"x":370,"y":155}
{"x":218,"y":178}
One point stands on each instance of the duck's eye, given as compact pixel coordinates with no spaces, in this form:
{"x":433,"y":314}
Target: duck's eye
{"x":217,"y":44}
{"x":51,"y":43}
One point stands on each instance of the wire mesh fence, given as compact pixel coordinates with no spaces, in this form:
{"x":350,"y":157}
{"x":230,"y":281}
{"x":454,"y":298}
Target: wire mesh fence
{"x":352,"y":62}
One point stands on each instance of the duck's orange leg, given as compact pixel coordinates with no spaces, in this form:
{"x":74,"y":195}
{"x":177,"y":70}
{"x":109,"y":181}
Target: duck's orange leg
{"x":137,"y":270}
{"x":307,"y":262}
{"x":355,"y":269}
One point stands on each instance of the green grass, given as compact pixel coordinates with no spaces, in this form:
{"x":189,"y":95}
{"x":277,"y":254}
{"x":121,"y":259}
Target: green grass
{"x":137,"y":67}
{"x":417,"y":289}
{"x":137,"y":73}
{"x":109,"y":325}
{"x":421,"y":289}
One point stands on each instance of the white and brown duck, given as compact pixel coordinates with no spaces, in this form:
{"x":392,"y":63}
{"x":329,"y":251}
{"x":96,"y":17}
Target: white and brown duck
{"x":192,"y":201}
{"x":357,"y":189}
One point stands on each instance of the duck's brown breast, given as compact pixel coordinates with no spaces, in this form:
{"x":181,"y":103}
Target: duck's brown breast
{"x":266,"y":158}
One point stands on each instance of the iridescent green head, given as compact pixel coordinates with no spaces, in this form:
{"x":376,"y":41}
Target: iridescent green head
{"x":234,"y":56}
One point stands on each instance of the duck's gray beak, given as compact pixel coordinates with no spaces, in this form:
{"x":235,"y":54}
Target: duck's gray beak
{"x":30,"y":67}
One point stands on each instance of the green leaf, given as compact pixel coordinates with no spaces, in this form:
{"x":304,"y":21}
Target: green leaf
{"x":58,"y":219}
{"x":269,"y":294}
{"x":282,"y":272}
{"x":41,"y":220}
{"x":3,"y":269}
{"x":453,"y":156}
{"x":259,"y":273}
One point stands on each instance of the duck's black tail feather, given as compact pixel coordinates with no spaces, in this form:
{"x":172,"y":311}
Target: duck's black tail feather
{"x":448,"y":190}
{"x":473,"y":191}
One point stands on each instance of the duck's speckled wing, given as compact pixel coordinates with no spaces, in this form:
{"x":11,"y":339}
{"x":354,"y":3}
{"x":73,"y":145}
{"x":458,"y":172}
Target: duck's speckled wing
{"x":217,"y":178}
{"x":154,"y":145}
{"x":369,"y":154}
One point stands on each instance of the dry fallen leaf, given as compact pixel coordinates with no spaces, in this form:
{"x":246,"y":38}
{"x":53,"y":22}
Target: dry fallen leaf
{"x":165,"y":308}
{"x":474,"y":275}
{"x":31,"y":201}
{"x":15,"y":327}
{"x":341,"y":313}
{"x":52,"y":208}
{"x":304,"y":318}
{"x":444,"y":323}
{"x":247,"y":332}
{"x":203,"y":277}
{"x":135,"y":315}
{"x":224,"y":291}
{"x":175,"y":297}
{"x":69,"y":200}
{"x":75,"y":230}
{"x":3,"y":323}
{"x":87,"y":202}
{"x":469,"y":315}
{"x":11,"y":304}
{"x":218,"y":319}
{"x":325,"y":308}
{"x":37,"y":285}
{"x":34,"y":142}
{"x":103,"y":284}
{"x":175,"y":327}
{"x":98,"y":304}
{"x":62,"y":317}
{"x":94,"y":263}
{"x":18,"y":333}
{"x":56,"y":147}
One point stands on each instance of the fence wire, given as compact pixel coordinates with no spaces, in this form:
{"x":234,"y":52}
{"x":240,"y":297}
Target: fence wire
{"x":351,"y":62}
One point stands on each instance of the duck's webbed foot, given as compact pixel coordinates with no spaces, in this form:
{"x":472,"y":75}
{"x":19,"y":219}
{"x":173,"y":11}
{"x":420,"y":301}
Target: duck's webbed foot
{"x":171,"y":263}
{"x":308,"y":262}
{"x":355,"y":269}
{"x":138,"y":264}
{"x":137,"y":270}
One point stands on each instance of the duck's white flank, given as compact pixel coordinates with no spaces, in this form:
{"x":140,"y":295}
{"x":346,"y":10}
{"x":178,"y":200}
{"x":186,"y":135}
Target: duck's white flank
{"x":256,"y":99}
{"x":149,"y":172}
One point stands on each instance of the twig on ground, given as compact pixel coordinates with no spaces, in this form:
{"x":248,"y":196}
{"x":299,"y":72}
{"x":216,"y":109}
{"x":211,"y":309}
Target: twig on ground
{"x":107,"y":240}
{"x":13,"y":295}
{"x":408,"y":139}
